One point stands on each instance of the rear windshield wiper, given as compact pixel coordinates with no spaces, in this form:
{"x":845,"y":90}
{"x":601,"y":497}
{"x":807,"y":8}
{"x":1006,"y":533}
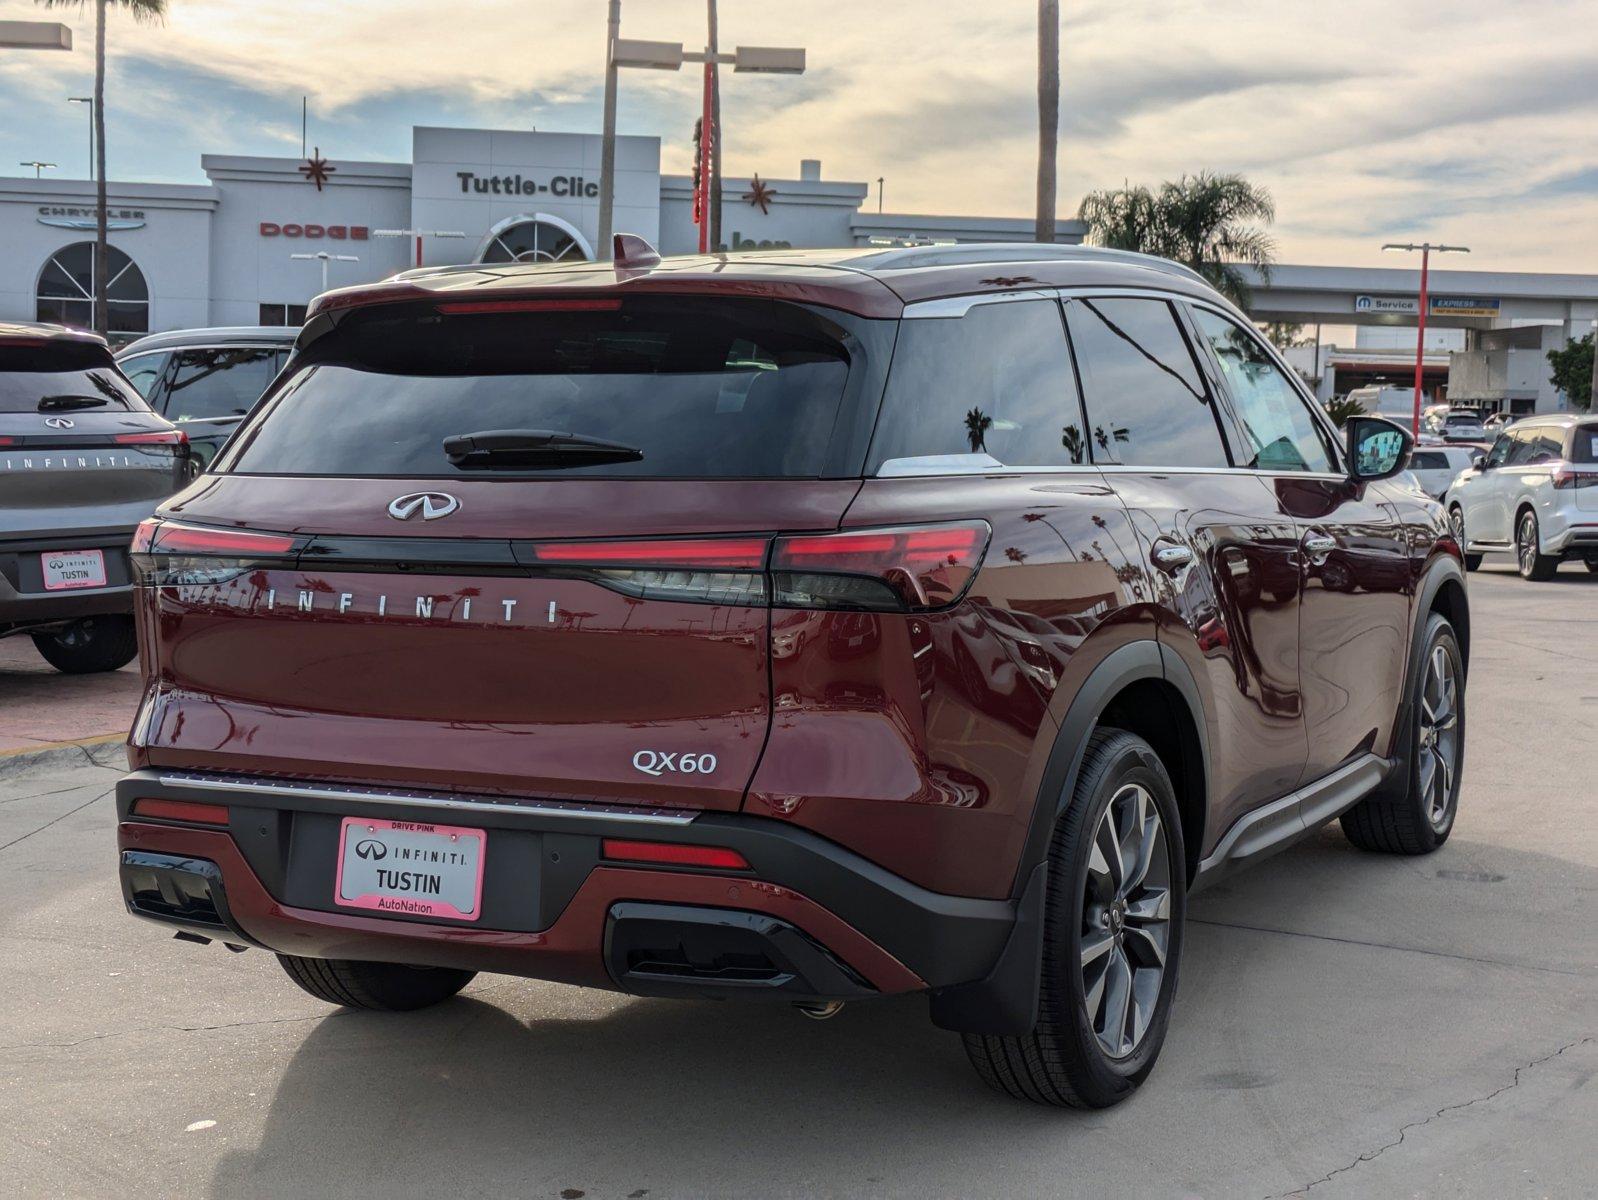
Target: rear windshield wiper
{"x":68,"y":401}
{"x":535,"y":448}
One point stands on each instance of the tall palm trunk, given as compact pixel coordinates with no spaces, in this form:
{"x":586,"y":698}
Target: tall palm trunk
{"x":715,"y":143}
{"x":1048,"y":114}
{"x":102,"y":255}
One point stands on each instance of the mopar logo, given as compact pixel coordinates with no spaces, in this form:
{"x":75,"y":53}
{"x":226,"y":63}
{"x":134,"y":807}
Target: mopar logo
{"x":432,"y":506}
{"x":58,"y":422}
{"x":371,"y":848}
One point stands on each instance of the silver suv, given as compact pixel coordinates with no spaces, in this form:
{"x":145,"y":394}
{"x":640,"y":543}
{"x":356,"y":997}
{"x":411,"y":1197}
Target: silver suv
{"x":1535,"y":495}
{"x":82,"y":461}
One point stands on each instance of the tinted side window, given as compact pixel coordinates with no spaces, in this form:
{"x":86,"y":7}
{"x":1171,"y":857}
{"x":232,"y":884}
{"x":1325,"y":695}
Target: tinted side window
{"x":144,"y":371}
{"x":1146,"y":403}
{"x":996,"y":381}
{"x":219,"y":383}
{"x":1549,"y":446}
{"x":1282,"y":436}
{"x":1499,"y":452}
{"x":1584,"y":444}
{"x":1522,"y":445}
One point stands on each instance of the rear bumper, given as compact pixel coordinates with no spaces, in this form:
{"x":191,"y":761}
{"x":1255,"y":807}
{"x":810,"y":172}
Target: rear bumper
{"x":23,"y":600}
{"x":810,"y":920}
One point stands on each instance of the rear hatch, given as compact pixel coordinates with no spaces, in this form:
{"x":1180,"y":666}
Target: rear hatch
{"x":399,"y":574}
{"x":1583,"y":459}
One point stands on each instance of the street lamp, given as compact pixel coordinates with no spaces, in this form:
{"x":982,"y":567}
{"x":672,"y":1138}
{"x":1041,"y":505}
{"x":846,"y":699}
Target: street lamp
{"x":418,"y":234}
{"x":38,"y":167}
{"x":35,"y":35}
{"x":326,"y":258}
{"x":1425,"y":249}
{"x":670,"y":56}
{"x":89,"y":100}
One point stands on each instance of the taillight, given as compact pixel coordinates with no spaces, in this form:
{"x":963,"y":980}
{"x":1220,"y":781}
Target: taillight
{"x":163,"y":437}
{"x":1565,"y":476}
{"x":692,"y":570}
{"x":576,"y":304}
{"x":671,"y":854}
{"x":910,"y":569}
{"x":167,"y":553}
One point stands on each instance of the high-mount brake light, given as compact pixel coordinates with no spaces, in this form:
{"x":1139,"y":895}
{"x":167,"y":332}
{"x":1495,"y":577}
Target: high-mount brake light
{"x":908,"y":569}
{"x":575,"y":304}
{"x":727,"y":554}
{"x":671,"y":854}
{"x":163,"y":437}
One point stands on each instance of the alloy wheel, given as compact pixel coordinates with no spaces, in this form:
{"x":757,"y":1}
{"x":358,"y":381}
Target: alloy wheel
{"x":1438,"y":736}
{"x":1456,"y":525}
{"x":1126,"y":921}
{"x":1526,"y":544}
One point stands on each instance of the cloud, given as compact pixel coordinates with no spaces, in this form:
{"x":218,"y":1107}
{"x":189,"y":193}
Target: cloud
{"x":1468,"y":120}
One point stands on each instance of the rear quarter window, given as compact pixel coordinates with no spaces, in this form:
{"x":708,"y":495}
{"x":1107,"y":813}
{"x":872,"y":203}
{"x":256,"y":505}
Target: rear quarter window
{"x":1584,"y":444}
{"x":704,"y":388}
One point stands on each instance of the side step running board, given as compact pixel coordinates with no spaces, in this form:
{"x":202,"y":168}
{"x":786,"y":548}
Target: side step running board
{"x":1259,"y":834}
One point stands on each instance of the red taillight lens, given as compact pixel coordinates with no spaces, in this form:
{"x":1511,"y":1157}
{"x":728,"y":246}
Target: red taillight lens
{"x":1565,"y":477}
{"x":725,"y":554}
{"x":906,"y":569}
{"x":8,"y":441}
{"x":181,"y":810}
{"x":670,"y":854}
{"x":576,"y":304}
{"x":164,"y":437}
{"x":166,"y":553}
{"x":170,"y":538}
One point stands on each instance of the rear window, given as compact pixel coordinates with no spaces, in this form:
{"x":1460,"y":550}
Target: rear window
{"x":1584,"y":444}
{"x":1429,"y":460}
{"x":62,"y":377}
{"x":702,"y":388}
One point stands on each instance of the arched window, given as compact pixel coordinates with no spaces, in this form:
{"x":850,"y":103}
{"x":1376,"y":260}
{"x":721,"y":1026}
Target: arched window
{"x":538,"y":238}
{"x":65,"y":294}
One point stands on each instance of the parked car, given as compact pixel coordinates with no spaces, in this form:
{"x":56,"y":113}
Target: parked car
{"x":1496,"y":422}
{"x":205,"y":380}
{"x":1435,"y":467}
{"x":1454,"y":424}
{"x":806,"y":626}
{"x":1395,"y":403}
{"x":82,"y":461}
{"x":1533,"y":495}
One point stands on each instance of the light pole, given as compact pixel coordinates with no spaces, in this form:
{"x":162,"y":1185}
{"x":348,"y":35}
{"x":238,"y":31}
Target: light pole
{"x":35,"y":35}
{"x":39,"y":168}
{"x":1425,"y":249}
{"x":89,"y":100}
{"x":670,"y":56}
{"x":326,"y":258}
{"x":418,"y":234}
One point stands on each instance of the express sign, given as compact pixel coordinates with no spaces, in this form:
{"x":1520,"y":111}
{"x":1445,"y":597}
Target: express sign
{"x":338,"y":233}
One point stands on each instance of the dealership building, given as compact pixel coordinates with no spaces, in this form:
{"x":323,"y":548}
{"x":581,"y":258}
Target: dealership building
{"x":222,"y":253}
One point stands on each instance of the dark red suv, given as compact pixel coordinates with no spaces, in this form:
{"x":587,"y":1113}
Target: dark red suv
{"x":804,"y":627}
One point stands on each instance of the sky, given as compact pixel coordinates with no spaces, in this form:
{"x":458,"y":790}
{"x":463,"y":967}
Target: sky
{"x":1464,"y":121}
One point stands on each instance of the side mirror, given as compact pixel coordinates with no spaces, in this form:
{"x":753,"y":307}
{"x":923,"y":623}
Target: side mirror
{"x":1478,"y":461}
{"x":1377,"y":448}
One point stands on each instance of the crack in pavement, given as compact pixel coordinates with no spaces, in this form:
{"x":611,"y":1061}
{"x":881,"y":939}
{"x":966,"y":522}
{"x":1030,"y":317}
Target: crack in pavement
{"x":56,"y":820}
{"x":1403,"y":1130}
{"x":100,"y":1037}
{"x":1346,"y":941}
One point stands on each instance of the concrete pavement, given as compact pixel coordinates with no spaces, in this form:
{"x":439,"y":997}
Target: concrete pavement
{"x":1347,"y":1025}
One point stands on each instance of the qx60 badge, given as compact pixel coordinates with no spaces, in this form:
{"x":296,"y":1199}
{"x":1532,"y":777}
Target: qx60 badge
{"x":432,"y":505}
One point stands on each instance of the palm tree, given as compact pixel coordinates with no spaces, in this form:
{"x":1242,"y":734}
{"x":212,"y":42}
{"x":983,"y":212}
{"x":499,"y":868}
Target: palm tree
{"x":141,"y":10}
{"x":1211,"y":223}
{"x":1048,"y":114}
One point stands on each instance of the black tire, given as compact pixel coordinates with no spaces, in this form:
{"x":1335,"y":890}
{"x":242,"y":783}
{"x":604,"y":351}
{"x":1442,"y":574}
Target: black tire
{"x":1534,"y":565}
{"x":91,"y":645}
{"x":1592,"y":565}
{"x":1456,"y":524}
{"x":1404,"y":819}
{"x":381,"y":987}
{"x":1062,"y":1061}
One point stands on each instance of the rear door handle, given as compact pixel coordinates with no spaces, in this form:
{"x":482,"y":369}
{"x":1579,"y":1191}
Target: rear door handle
{"x":1172,"y":557}
{"x":1318,"y":545}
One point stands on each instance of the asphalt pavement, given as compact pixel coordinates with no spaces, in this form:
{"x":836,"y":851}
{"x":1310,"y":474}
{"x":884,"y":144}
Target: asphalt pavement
{"x":1347,"y":1025}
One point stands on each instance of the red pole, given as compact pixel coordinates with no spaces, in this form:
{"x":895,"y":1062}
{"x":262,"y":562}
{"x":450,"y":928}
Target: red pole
{"x":418,"y":249}
{"x":1420,"y":338}
{"x":706,"y":132}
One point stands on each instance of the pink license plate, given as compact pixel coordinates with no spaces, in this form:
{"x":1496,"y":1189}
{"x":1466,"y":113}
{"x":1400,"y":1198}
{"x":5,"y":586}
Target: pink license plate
{"x":67,"y":569}
{"x":410,"y":868}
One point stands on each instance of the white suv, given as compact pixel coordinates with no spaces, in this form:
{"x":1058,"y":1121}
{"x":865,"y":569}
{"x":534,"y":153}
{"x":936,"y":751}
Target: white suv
{"x":1535,"y":495}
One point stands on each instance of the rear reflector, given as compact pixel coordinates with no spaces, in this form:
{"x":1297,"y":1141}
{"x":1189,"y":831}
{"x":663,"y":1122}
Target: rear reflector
{"x":911,"y":568}
{"x":164,"y":437}
{"x":728,"y":554}
{"x":580,"y":304}
{"x":181,"y":810}
{"x":673,"y":855}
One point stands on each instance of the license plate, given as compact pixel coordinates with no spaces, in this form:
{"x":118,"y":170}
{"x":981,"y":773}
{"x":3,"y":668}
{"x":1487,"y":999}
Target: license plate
{"x":410,"y":868}
{"x":68,"y":569}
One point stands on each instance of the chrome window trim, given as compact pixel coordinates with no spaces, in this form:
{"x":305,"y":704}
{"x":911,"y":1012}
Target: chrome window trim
{"x":432,"y":800}
{"x":954,"y":307}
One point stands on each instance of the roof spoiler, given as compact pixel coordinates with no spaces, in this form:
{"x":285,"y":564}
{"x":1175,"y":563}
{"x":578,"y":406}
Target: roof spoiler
{"x":632,"y":252}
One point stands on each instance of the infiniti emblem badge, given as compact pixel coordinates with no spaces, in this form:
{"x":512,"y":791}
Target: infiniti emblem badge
{"x":59,"y":422}
{"x":432,"y":506}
